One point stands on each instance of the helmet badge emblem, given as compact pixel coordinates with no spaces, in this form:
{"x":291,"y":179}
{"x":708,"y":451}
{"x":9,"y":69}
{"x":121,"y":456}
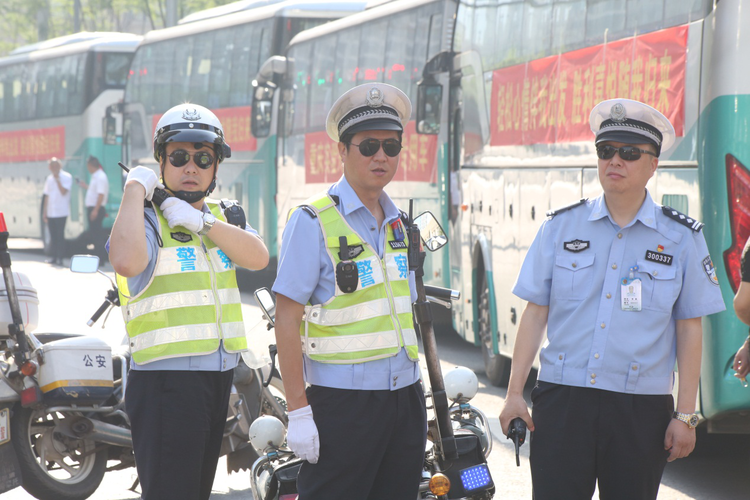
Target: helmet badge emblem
{"x":191,"y":115}
{"x":617,"y":113}
{"x":374,"y":98}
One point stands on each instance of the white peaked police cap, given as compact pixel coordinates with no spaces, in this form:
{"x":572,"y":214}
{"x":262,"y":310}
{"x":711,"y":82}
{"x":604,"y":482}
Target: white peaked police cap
{"x":370,"y":106}
{"x":631,"y":122}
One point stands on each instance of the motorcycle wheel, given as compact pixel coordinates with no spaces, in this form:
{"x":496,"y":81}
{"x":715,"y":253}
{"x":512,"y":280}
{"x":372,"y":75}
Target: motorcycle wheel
{"x":54,"y":466}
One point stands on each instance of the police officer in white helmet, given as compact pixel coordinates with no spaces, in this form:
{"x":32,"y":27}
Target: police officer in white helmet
{"x":175,"y":266}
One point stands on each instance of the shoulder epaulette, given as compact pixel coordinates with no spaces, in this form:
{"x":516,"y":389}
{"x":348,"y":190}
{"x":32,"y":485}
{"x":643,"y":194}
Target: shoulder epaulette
{"x":310,"y":210}
{"x":550,"y":214}
{"x":682,"y":218}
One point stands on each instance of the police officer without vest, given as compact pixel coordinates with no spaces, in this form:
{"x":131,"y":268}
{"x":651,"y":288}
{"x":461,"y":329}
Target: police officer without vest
{"x":176,"y":271}
{"x":344,"y":321}
{"x":621,"y":284}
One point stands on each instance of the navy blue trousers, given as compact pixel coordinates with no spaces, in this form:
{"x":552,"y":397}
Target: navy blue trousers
{"x":177,"y":420}
{"x":587,"y":435}
{"x":372,"y":444}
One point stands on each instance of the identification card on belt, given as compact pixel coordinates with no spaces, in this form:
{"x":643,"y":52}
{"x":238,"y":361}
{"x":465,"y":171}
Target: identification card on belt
{"x":630,"y":292}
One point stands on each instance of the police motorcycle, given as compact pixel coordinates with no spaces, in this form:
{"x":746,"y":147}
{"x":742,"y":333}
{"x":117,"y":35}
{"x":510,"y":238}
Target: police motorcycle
{"x":459,"y":436}
{"x":62,"y":403}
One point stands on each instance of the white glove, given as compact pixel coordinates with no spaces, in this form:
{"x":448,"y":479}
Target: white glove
{"x":180,"y":213}
{"x":302,"y":435}
{"x":146,"y":178}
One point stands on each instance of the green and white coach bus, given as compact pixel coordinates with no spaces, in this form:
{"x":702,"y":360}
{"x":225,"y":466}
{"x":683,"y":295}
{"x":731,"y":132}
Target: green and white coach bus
{"x":53,"y":98}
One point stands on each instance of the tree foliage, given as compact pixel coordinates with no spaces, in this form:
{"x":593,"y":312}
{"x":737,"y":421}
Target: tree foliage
{"x":23,"y":22}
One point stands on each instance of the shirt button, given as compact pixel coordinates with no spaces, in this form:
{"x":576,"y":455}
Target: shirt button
{"x":560,"y":357}
{"x":596,"y":356}
{"x":609,"y":295}
{"x":394,"y":380}
{"x":574,"y":265}
{"x":619,"y":235}
{"x":656,"y":273}
{"x":593,"y":381}
{"x":604,"y":326}
{"x":635,"y":368}
{"x":593,"y":375}
{"x":614,"y":266}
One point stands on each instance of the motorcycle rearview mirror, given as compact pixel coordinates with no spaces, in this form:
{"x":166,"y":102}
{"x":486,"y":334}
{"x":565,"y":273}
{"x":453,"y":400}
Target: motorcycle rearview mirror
{"x":84,"y":264}
{"x":433,"y":236}
{"x":267,"y":303}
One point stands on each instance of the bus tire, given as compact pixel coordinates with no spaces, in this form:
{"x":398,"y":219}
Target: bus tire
{"x":496,"y":366}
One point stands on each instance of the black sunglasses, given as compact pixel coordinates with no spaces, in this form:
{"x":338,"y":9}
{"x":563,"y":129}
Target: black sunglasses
{"x":369,"y":147}
{"x":627,"y":153}
{"x":180,"y":158}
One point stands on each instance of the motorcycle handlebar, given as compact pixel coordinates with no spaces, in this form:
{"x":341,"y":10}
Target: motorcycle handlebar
{"x":442,"y":293}
{"x":105,"y":305}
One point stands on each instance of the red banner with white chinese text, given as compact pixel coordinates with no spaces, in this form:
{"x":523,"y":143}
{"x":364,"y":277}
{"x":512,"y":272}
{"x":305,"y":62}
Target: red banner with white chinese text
{"x":549,"y":100}
{"x":32,"y":145}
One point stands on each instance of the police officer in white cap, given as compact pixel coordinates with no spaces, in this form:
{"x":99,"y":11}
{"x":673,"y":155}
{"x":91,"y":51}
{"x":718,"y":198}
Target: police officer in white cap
{"x":344,"y":323}
{"x":620,"y":283}
{"x":175,"y":263}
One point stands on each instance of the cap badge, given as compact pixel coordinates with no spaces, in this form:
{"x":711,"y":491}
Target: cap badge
{"x":191,"y":115}
{"x":374,"y":98}
{"x":617,"y":113}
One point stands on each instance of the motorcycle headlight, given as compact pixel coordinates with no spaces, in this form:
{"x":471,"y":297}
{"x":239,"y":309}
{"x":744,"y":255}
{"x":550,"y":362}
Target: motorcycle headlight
{"x":461,"y":384}
{"x":266,"y":433}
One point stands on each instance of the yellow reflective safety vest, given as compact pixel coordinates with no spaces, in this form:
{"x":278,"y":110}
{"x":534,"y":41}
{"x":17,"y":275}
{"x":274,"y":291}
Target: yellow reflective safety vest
{"x":373,"y":322}
{"x":191,"y":302}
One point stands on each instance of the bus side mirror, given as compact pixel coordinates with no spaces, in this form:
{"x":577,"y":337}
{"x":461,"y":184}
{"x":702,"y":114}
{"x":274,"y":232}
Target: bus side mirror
{"x":260,"y":119}
{"x":429,"y":104}
{"x":109,"y":128}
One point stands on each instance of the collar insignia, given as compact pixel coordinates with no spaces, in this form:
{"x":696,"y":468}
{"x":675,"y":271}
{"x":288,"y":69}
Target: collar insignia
{"x":181,"y":237}
{"x":576,"y":245}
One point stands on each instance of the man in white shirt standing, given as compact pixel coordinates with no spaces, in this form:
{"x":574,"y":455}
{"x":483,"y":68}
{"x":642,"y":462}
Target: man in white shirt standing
{"x":95,"y":202}
{"x":56,"y":208}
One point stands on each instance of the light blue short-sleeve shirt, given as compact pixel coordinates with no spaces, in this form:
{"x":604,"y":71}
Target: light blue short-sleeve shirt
{"x":576,"y":266}
{"x":306,"y":275}
{"x":220,"y":360}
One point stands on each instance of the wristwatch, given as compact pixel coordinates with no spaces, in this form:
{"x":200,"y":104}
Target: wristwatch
{"x":208,"y":223}
{"x":690,"y":419}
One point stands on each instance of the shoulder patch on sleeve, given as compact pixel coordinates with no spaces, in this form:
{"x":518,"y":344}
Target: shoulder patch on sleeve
{"x":550,"y":214}
{"x":682,"y":218}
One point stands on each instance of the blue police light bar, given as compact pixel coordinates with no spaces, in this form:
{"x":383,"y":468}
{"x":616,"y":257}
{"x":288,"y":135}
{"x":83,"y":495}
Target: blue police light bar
{"x":476,"y":478}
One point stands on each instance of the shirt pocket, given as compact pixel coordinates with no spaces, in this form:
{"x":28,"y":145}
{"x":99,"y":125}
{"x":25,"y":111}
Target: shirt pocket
{"x":659,"y":285}
{"x":572,"y":276}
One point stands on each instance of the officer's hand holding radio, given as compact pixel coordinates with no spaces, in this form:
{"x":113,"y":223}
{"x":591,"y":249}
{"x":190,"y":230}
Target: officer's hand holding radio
{"x":146,"y":178}
{"x":180,"y":213}
{"x":302,"y":435}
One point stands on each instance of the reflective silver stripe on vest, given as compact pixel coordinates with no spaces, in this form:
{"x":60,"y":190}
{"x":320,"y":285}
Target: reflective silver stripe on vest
{"x":233,"y":330}
{"x":180,"y":299}
{"x":186,"y":333}
{"x":359,"y":312}
{"x":171,"y":334}
{"x":179,"y":260}
{"x":357,"y":342}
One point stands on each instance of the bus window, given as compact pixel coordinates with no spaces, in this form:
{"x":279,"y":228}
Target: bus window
{"x":641,"y":15}
{"x":201,"y":67}
{"x":605,"y":16}
{"x":181,"y":71}
{"x":300,"y":59}
{"x":347,"y":59}
{"x":372,"y":50}
{"x":401,"y":31}
{"x":221,"y":66}
{"x":537,"y":36}
{"x":321,"y":87}
{"x":116,"y":68}
{"x":569,"y":25}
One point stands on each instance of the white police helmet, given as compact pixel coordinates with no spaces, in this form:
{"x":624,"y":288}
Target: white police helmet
{"x":190,"y":123}
{"x":266,"y":432}
{"x":370,"y":106}
{"x":631,"y":122}
{"x":461,"y":384}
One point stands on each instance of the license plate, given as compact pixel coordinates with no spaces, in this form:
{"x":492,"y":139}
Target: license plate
{"x":4,"y":425}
